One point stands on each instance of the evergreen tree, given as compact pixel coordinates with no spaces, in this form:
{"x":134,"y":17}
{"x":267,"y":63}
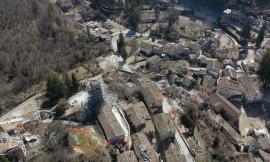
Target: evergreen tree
{"x":260,"y":36}
{"x":121,"y":41}
{"x":75,"y":84}
{"x":133,"y":18}
{"x":245,"y":32}
{"x":55,"y":87}
{"x":3,"y":159}
{"x":35,"y":8}
{"x":172,"y":16}
{"x":72,"y":39}
{"x":264,"y":70}
{"x":60,"y":110}
{"x":90,"y":38}
{"x":157,"y":11}
{"x":122,"y":47}
{"x":187,"y":121}
{"x":124,"y":53}
{"x":216,"y":142}
{"x":68,"y":84}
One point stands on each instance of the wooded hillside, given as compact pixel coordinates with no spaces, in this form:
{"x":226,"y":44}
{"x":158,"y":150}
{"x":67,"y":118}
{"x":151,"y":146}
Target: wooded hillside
{"x":35,"y":37}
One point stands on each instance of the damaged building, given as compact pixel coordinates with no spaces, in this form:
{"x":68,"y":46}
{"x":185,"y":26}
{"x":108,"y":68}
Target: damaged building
{"x":137,"y":115}
{"x":164,"y":128}
{"x":221,"y":105}
{"x":127,"y":156}
{"x":143,"y":149}
{"x":110,"y":124}
{"x":152,"y":96}
{"x":173,"y":154}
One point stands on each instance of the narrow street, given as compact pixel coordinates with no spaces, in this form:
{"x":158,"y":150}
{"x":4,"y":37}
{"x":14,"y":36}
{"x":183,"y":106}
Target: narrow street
{"x":184,"y":147}
{"x":179,"y":138}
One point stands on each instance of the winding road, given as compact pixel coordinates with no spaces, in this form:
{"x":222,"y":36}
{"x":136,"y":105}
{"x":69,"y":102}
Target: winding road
{"x":24,"y":108}
{"x":167,"y":108}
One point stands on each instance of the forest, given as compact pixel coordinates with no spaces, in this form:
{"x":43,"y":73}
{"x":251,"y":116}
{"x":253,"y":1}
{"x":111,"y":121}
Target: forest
{"x":36,"y":37}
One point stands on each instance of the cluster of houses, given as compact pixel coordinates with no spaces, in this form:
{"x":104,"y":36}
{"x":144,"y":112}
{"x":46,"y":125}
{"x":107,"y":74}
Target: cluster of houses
{"x":233,"y":20}
{"x":210,"y":74}
{"x":214,"y":74}
{"x":235,"y":80}
{"x":151,"y":132}
{"x":17,"y":141}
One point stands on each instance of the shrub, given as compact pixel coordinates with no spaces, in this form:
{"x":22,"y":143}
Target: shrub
{"x":3,"y":159}
{"x":60,"y":110}
{"x":187,"y":121}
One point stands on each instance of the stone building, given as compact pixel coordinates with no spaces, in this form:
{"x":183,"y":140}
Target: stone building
{"x":110,"y":124}
{"x":143,"y":149}
{"x":165,"y":128}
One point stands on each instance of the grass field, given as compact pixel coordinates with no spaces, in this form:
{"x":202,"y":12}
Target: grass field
{"x":85,"y":140}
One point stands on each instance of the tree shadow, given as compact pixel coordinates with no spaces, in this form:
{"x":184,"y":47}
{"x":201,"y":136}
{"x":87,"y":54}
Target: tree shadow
{"x":47,"y":104}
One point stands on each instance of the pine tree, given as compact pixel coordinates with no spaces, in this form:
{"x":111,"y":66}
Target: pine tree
{"x":245,"y":32}
{"x":55,"y":87}
{"x":60,"y":110}
{"x":264,"y":70}
{"x":3,"y":159}
{"x":260,"y":36}
{"x":68,"y":84}
{"x":124,"y":53}
{"x":90,"y":38}
{"x":75,"y":84}
{"x":133,"y":18}
{"x":35,"y":8}
{"x":172,"y":16}
{"x":121,"y":41}
{"x":122,"y":47}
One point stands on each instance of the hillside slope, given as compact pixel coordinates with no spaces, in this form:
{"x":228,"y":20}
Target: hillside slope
{"x":34,"y":36}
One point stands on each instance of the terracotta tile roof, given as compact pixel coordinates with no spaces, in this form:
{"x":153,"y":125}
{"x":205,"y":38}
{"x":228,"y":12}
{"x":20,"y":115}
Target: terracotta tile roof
{"x":110,"y":124}
{"x":137,"y":114}
{"x":151,"y":94}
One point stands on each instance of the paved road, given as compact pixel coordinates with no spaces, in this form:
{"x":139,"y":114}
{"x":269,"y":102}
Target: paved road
{"x":167,"y":108}
{"x":184,"y":147}
{"x":181,"y":141}
{"x":24,"y":108}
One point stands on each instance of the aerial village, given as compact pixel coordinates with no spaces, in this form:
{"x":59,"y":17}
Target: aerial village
{"x":192,"y":96}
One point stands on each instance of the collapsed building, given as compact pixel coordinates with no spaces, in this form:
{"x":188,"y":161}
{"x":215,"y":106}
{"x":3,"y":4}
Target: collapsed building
{"x":228,"y":53}
{"x":221,"y":105}
{"x":143,"y":149}
{"x":229,"y":88}
{"x":153,"y":63}
{"x":251,"y":91}
{"x":164,"y":128}
{"x":12,"y":147}
{"x":137,"y":115}
{"x":173,"y":154}
{"x":212,"y":65}
{"x":127,"y":156}
{"x":151,"y":95}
